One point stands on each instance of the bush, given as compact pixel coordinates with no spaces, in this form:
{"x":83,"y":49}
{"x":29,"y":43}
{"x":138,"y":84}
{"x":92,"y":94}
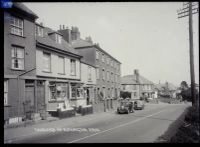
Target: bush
{"x":188,"y":133}
{"x":125,"y":94}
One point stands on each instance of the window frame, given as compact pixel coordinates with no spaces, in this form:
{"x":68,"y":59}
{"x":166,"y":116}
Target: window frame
{"x":6,"y":92}
{"x":63,"y":69}
{"x":73,"y":63}
{"x":89,"y":73}
{"x":18,"y":27}
{"x":15,"y":58}
{"x":38,"y":31}
{"x":49,"y":54}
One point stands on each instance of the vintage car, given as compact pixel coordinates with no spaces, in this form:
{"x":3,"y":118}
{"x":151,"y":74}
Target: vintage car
{"x":139,"y":104}
{"x":125,"y":106}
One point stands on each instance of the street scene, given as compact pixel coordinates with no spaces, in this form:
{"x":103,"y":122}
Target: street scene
{"x":101,"y":72}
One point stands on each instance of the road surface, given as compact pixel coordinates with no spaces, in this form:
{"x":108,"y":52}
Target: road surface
{"x":142,"y":126}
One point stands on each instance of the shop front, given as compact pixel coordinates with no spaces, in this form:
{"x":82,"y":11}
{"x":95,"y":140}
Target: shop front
{"x":64,"y":96}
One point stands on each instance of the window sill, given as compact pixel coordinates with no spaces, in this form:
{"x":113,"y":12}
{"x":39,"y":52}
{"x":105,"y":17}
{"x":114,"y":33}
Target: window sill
{"x":61,"y":73}
{"x":7,"y":106}
{"x":17,"y":35}
{"x":72,"y":75}
{"x":46,"y":71}
{"x":17,"y":69}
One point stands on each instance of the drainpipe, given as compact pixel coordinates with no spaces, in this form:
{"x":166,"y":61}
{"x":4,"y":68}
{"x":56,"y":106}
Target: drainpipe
{"x":18,"y":77}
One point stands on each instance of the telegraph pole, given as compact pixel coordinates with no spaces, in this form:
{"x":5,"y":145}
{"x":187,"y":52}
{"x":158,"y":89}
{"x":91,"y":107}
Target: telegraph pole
{"x":189,"y":10}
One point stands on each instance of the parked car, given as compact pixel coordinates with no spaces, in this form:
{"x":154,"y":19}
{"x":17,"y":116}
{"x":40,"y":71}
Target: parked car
{"x":139,"y":104}
{"x":125,"y":106}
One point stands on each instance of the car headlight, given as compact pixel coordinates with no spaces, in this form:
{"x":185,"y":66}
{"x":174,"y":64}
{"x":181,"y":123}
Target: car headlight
{"x":122,"y":107}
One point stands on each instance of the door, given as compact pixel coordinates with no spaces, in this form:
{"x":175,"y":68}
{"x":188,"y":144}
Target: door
{"x":29,"y":99}
{"x":40,"y":95}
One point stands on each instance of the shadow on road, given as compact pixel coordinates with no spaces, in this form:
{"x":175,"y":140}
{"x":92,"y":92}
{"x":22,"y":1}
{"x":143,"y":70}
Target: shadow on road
{"x":172,"y":129}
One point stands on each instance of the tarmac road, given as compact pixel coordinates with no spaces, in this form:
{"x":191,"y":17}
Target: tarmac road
{"x":141,"y":126}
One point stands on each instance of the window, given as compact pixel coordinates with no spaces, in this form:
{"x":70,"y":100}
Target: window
{"x":5,"y":92}
{"x":108,"y":76}
{"x":108,"y":60}
{"x":89,"y":73}
{"x":17,"y":58}
{"x":58,"y":91}
{"x":135,"y":94}
{"x":73,"y":67}
{"x":134,"y":87}
{"x":16,"y":26}
{"x":111,"y":77}
{"x":103,"y":74}
{"x":39,"y":31}
{"x":111,"y":63}
{"x":58,"y":38}
{"x":97,"y":54}
{"x":46,"y":62}
{"x":124,"y":87}
{"x":102,"y":57}
{"x":61,"y":65}
{"x":97,"y":73}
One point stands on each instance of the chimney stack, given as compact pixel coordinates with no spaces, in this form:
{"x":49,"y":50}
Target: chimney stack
{"x":66,"y":32}
{"x":75,"y":34}
{"x":136,"y":74}
{"x":60,"y":27}
{"x":88,"y":39}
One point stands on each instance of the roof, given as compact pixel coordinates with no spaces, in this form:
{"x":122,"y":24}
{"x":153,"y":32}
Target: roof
{"x":130,"y":79}
{"x":46,"y":40}
{"x":24,"y":8}
{"x":81,"y":43}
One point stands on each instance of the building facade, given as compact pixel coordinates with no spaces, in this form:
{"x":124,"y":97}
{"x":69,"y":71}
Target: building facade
{"x":108,"y":69}
{"x":19,"y":61}
{"x":137,"y":85}
{"x":59,"y":66}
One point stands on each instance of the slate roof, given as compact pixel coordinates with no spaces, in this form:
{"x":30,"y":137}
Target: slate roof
{"x":130,"y":79}
{"x":46,"y":40}
{"x":24,"y":8}
{"x":81,"y":43}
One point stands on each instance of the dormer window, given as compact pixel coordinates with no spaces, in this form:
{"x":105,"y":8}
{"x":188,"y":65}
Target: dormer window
{"x":58,"y":38}
{"x":39,"y":31}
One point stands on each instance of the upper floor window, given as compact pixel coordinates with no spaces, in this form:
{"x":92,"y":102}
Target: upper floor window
{"x":39,"y":31}
{"x":46,"y":62}
{"x":5,"y":92}
{"x":73,"y":67}
{"x":103,"y":74}
{"x":124,"y":87}
{"x":16,"y":26}
{"x":108,"y":60}
{"x":61,"y":65}
{"x":89,"y":73}
{"x":97,"y":73}
{"x":97,"y":54}
{"x":108,"y":76}
{"x":17,"y":58}
{"x":102,"y":57}
{"x":58,"y":38}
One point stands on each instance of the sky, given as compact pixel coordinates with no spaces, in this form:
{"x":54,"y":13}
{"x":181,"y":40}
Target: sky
{"x":147,"y":36}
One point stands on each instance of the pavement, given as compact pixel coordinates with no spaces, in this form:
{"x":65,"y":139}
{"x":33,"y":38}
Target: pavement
{"x":106,"y":127}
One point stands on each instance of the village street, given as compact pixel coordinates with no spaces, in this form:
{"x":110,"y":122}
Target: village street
{"x":142,"y":126}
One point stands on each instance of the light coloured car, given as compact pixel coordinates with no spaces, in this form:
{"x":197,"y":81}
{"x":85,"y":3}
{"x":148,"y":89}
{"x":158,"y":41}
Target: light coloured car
{"x":139,"y":104}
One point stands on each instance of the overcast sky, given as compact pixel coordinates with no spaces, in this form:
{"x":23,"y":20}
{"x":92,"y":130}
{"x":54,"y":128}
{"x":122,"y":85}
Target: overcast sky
{"x":144,"y":36}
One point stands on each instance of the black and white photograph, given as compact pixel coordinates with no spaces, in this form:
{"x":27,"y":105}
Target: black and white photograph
{"x":101,"y":72}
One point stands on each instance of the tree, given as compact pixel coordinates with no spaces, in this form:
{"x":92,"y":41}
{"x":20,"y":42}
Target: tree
{"x":125,"y":94}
